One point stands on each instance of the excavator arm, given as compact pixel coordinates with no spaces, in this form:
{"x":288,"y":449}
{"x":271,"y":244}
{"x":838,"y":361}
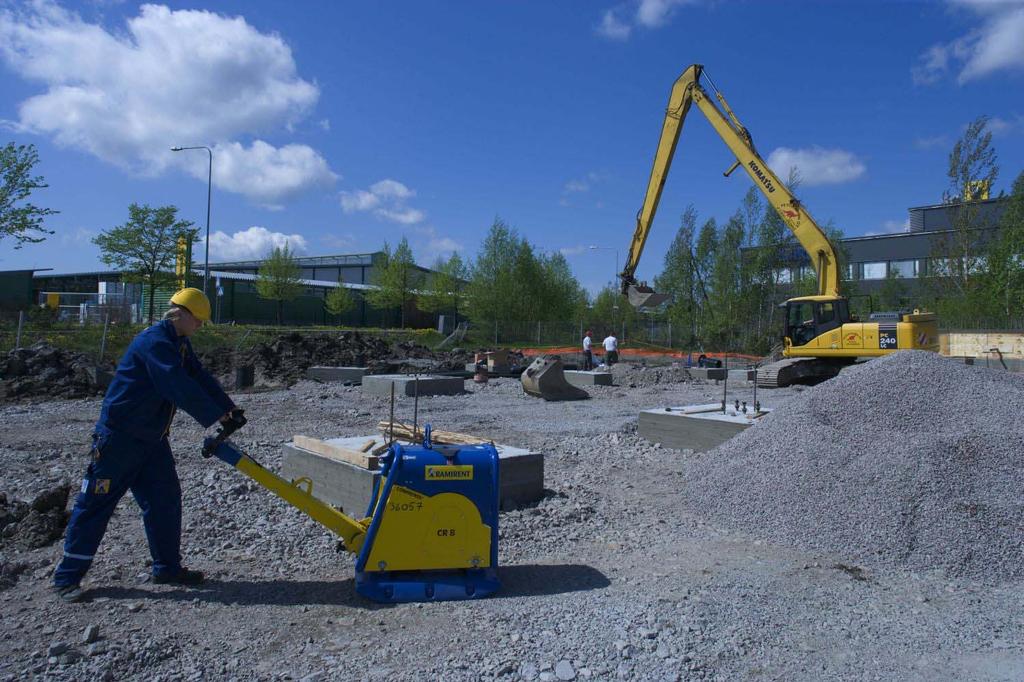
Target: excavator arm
{"x":686,"y":91}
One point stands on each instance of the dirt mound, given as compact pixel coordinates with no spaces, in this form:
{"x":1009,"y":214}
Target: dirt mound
{"x":44,"y":371}
{"x":640,"y":376}
{"x":30,"y":525}
{"x":910,"y":460}
{"x":286,"y":359}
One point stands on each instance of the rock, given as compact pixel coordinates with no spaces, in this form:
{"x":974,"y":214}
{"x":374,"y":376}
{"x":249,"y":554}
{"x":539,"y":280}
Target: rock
{"x":135,"y":607}
{"x":56,"y":649}
{"x":564,"y":670}
{"x":90,"y":634}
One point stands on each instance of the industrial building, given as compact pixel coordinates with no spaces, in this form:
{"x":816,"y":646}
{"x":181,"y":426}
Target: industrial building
{"x":232,"y":290}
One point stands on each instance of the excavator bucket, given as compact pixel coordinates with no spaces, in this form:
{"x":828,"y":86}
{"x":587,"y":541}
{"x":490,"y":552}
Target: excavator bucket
{"x":544,"y":378}
{"x":642,"y":296}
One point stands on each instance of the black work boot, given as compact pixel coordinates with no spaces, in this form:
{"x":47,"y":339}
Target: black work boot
{"x":69,"y":593}
{"x":182,"y":577}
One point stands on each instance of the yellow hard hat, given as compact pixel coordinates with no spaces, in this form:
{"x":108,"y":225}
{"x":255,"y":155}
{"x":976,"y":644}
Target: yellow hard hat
{"x":194,"y":301}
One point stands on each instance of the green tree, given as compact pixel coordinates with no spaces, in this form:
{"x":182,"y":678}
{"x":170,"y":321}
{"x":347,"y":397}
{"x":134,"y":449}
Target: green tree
{"x":726,"y":316}
{"x":144,"y":248}
{"x":959,"y":257}
{"x":893,"y":292}
{"x":1006,"y":257}
{"x":339,"y":301}
{"x":19,"y":218}
{"x":279,"y":279}
{"x":491,"y":277}
{"x":396,"y":279}
{"x":445,"y":290}
{"x":678,"y":277}
{"x":565,"y":298}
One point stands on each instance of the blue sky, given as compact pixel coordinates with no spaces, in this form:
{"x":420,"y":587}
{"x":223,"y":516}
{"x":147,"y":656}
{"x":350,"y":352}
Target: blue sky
{"x":339,"y":125}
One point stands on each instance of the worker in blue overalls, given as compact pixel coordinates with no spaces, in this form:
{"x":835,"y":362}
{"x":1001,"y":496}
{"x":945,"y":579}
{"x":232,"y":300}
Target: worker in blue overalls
{"x":157,"y":374}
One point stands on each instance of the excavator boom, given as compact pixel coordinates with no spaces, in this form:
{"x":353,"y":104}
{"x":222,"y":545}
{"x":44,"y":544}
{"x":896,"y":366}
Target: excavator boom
{"x":686,"y":91}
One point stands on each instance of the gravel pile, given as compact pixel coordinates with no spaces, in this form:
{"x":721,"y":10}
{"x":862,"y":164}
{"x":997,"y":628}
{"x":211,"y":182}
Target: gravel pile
{"x":43,"y":371}
{"x":910,"y":460}
{"x":641,"y":376}
{"x":285,"y":360}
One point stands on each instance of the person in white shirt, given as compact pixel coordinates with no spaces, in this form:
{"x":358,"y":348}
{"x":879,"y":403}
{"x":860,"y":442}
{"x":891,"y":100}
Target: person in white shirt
{"x":588,"y":356}
{"x":611,"y":349}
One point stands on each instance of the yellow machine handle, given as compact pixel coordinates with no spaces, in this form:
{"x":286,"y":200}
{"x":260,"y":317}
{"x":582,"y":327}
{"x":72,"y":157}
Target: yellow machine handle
{"x":298,"y":494}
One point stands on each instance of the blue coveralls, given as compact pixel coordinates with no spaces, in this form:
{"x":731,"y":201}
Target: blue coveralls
{"x":158,"y":373}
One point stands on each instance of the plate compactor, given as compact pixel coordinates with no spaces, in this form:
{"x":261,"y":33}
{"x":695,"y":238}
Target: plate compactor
{"x":431,"y":530}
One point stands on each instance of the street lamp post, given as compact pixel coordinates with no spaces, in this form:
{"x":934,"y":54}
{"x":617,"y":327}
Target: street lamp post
{"x":209,"y":192}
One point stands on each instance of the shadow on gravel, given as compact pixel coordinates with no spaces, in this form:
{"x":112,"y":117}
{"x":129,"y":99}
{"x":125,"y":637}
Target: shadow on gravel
{"x":247,"y":593}
{"x":516,"y":581}
{"x":542,"y":579}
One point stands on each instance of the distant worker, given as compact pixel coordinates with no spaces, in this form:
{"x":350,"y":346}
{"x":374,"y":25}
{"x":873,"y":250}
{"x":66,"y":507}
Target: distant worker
{"x":158,"y":373}
{"x":588,"y":355}
{"x":611,"y":349}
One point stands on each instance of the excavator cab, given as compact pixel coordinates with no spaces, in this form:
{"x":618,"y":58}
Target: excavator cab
{"x":809,"y":317}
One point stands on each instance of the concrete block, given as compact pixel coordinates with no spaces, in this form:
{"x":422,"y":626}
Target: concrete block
{"x":588,"y":378}
{"x":405,"y":385}
{"x":694,"y":427}
{"x":708,"y":373}
{"x":351,"y":375}
{"x":520,"y":475}
{"x":742,"y":375}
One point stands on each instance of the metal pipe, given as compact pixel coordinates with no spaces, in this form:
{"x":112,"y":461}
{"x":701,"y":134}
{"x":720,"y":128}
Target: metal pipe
{"x":21,"y":322}
{"x":103,"y":341}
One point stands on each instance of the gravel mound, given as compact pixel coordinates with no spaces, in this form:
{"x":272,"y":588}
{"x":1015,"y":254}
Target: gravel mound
{"x":42,"y":370}
{"x":640,"y":376}
{"x":34,"y":524}
{"x":286,"y":359}
{"x":910,"y":460}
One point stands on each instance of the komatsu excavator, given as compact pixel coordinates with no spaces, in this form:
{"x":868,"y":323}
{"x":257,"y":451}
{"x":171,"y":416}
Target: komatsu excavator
{"x":820,"y":335}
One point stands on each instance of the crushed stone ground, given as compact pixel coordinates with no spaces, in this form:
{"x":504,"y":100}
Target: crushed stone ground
{"x":912,"y":460}
{"x":613,"y":575}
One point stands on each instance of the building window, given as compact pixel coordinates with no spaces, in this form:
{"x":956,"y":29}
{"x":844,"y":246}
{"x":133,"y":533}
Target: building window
{"x":848,"y":272}
{"x":940,"y":267}
{"x":874,"y":270}
{"x":903,"y":268}
{"x":785,"y":276}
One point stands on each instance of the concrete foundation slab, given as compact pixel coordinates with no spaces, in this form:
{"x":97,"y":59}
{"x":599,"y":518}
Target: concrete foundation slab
{"x":351,"y":375}
{"x":588,"y":378}
{"x":405,"y":385}
{"x":708,"y":373}
{"x":345,"y":485}
{"x":694,"y":427}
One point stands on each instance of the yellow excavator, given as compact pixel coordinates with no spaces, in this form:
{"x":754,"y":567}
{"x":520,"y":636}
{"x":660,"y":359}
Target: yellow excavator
{"x":820,"y":335}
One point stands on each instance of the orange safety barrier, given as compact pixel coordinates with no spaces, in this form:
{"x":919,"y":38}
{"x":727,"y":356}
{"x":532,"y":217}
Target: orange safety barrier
{"x":639,"y":353}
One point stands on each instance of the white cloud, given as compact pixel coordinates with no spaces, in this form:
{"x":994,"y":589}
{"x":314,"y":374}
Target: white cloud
{"x":340,"y":242}
{"x":434,"y":245}
{"x":891,"y":227}
{"x":618,"y":23}
{"x":816,"y":165}
{"x":573,"y":250}
{"x":933,"y":142}
{"x":576,"y":186}
{"x":655,"y":13}
{"x":252,"y":244}
{"x":185,"y":77}
{"x":581,"y":186}
{"x":612,"y":27}
{"x":386,"y":200}
{"x":992,"y":43}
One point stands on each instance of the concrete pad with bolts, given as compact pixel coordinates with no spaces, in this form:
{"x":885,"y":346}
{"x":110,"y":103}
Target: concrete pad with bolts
{"x":405,"y":385}
{"x":695,"y":427}
{"x":351,"y":375}
{"x":520,"y":475}
{"x":588,"y":378}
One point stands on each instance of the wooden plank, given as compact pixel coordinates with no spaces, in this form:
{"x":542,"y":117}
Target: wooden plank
{"x":331,"y":451}
{"x":404,"y":432}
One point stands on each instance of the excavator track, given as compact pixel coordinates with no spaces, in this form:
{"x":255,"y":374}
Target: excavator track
{"x":790,"y":371}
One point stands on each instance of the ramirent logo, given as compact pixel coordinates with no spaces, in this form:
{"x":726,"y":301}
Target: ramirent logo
{"x":762,"y":177}
{"x":457,"y":472}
